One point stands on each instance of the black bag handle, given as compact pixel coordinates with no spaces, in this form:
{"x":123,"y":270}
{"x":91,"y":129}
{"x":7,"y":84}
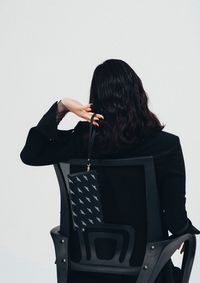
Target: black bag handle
{"x":91,"y":140}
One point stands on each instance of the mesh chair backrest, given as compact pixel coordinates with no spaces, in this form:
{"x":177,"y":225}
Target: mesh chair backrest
{"x":154,"y":230}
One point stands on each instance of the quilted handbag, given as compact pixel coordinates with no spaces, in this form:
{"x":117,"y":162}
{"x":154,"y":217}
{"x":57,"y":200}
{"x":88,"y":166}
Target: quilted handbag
{"x":84,"y":192}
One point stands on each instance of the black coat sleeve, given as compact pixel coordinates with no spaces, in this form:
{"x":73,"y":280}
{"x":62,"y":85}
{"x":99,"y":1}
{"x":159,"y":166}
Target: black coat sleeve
{"x":173,"y":192}
{"x":45,"y":144}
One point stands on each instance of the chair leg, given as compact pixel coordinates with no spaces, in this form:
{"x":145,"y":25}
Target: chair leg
{"x":61,"y":250}
{"x":188,"y":258}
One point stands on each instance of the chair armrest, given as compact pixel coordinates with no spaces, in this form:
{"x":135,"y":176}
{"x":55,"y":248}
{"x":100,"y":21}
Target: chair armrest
{"x":60,"y":244}
{"x":61,"y":251}
{"x":158,"y":254}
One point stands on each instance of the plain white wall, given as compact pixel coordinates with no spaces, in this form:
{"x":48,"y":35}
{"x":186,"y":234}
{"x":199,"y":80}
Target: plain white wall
{"x":48,"y":50}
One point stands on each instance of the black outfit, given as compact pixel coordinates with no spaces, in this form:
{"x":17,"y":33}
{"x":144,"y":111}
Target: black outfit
{"x":46,"y":145}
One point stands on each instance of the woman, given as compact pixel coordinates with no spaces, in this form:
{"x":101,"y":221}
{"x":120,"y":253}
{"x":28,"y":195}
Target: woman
{"x":125,"y":127}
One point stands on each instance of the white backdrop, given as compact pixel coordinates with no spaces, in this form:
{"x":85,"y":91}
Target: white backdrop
{"x":48,"y":50}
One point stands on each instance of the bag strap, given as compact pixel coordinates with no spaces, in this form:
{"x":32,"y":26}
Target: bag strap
{"x":91,"y":140}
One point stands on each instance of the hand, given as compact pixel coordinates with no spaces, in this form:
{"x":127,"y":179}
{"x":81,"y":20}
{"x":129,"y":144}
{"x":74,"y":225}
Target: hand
{"x":83,"y":111}
{"x":182,"y":248}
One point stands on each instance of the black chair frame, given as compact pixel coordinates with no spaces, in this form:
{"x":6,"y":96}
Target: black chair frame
{"x":158,"y":251}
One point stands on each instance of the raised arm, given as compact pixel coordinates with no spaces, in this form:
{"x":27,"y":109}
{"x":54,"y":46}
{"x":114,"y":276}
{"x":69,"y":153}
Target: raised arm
{"x":45,"y":144}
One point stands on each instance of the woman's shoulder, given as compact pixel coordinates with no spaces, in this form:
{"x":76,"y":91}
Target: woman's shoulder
{"x":157,"y":143}
{"x":168,"y":138}
{"x":162,"y":143}
{"x":159,"y":135}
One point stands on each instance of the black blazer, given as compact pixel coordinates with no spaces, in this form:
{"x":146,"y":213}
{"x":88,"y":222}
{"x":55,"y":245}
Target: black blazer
{"x":46,"y":145}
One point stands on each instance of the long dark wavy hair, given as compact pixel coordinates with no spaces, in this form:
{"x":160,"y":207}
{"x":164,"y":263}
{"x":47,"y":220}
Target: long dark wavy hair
{"x":117,"y":93}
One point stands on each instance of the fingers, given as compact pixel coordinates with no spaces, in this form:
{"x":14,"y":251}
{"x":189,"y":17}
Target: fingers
{"x":182,"y":247}
{"x":99,"y":116}
{"x":87,"y":114}
{"x":87,"y":107}
{"x":95,"y":119}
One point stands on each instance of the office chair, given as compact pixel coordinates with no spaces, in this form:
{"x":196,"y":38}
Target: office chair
{"x":158,"y":249}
